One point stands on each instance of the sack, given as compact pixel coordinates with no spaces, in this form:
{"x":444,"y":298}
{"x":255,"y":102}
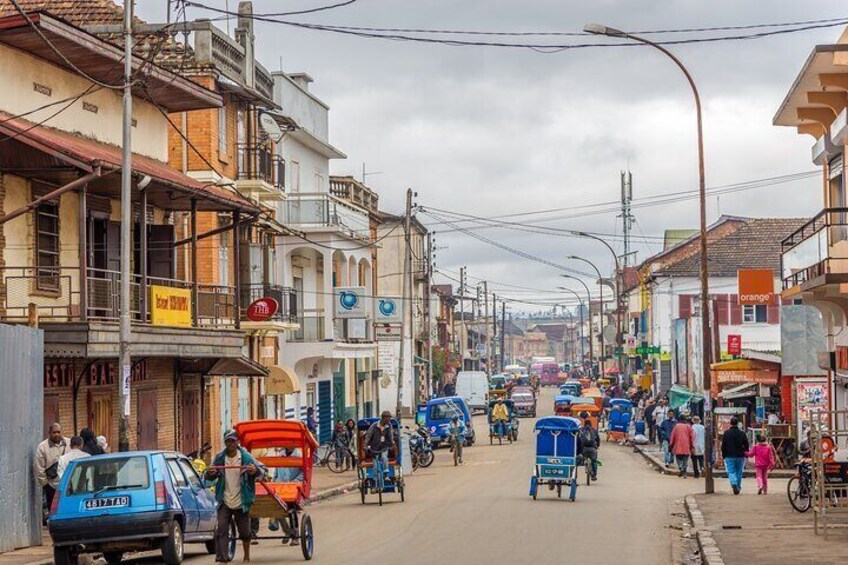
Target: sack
{"x":52,"y":472}
{"x":640,"y":439}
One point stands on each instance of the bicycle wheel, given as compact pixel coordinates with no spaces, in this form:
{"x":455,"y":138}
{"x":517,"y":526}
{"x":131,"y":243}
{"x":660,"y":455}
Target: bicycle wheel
{"x":588,"y":472}
{"x":415,"y":461}
{"x":799,"y":494}
{"x":456,"y":455}
{"x":335,"y":463}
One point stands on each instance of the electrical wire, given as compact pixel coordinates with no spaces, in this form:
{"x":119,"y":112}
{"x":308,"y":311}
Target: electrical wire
{"x":312,"y":10}
{"x":70,"y":103}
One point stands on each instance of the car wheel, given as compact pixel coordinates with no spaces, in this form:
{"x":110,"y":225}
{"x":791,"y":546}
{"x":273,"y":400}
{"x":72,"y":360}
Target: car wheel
{"x":113,"y":557}
{"x":172,"y":547}
{"x":64,"y":556}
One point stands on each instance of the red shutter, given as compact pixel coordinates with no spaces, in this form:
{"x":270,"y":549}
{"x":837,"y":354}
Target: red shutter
{"x":773,"y":314}
{"x":723,"y":304}
{"x":735,"y":311}
{"x":685,"y":307}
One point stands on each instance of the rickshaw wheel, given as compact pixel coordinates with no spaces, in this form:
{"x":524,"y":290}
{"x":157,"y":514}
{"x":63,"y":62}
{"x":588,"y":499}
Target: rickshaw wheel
{"x":491,"y":439}
{"x":307,"y":540}
{"x":401,"y":491}
{"x":362,"y":492}
{"x":559,"y":490}
{"x":380,"y":496}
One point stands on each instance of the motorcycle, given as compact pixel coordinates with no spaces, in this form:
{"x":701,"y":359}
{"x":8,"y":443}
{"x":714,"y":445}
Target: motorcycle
{"x":420,"y":448}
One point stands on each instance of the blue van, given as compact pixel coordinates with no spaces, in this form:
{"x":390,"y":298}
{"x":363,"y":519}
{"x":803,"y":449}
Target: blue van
{"x":440,"y":412}
{"x":131,"y":501}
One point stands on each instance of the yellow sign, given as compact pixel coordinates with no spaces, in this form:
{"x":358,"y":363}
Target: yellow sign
{"x":170,"y":306}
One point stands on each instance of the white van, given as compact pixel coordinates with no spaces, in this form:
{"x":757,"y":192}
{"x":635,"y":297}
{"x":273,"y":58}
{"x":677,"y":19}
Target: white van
{"x":473,"y":388}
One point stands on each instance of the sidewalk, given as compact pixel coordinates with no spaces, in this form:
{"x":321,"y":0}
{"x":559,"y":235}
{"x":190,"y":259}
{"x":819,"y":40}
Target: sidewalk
{"x":653,"y":454}
{"x":325,"y":484}
{"x":761,"y":530}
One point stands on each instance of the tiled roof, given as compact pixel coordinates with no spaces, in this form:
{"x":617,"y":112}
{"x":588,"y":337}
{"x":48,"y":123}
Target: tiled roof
{"x":752,"y":243}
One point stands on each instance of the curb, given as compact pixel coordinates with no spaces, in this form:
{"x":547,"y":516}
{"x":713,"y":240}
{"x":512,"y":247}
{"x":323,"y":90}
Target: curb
{"x":709,"y":550}
{"x":332,"y":492}
{"x":718,"y":473}
{"x":653,"y":462}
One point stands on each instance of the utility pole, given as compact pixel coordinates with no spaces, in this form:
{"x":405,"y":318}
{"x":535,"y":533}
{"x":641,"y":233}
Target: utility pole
{"x":495,"y":332}
{"x":626,"y":216}
{"x":489,"y":360}
{"x":406,"y":299}
{"x":464,"y":338}
{"x":503,"y":327}
{"x":125,"y":361}
{"x":429,"y":313}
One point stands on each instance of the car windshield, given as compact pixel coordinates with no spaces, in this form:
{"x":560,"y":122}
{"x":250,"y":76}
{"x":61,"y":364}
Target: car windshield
{"x":523,"y":397}
{"x":444,"y":411}
{"x":95,"y":474}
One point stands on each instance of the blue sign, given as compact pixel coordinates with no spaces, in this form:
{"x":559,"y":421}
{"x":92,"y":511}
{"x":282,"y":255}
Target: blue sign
{"x":388,"y":311}
{"x":351,"y":302}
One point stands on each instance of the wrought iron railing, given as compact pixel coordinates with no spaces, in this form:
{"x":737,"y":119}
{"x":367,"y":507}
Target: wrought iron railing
{"x":311,"y":327}
{"x":285,"y":297}
{"x":817,"y":248}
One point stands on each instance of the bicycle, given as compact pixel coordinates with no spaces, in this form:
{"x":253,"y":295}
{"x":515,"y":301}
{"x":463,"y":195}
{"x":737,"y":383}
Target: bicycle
{"x":379,"y":476}
{"x":456,"y":448}
{"x":331,"y":458}
{"x":800,"y":487}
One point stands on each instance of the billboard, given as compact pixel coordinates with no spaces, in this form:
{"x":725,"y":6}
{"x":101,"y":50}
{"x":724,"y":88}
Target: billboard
{"x":170,"y":306}
{"x":351,"y":302}
{"x":388,"y":311}
{"x":756,"y":286}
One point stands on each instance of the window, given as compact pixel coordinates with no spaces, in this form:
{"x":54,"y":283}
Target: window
{"x":122,"y":473}
{"x":754,"y":314}
{"x":190,"y":473}
{"x":47,"y":246}
{"x":222,"y":133}
{"x":295,"y":176}
{"x":177,"y":474}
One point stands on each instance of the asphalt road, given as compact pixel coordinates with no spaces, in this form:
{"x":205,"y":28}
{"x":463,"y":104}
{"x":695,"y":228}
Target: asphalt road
{"x":481,"y":512}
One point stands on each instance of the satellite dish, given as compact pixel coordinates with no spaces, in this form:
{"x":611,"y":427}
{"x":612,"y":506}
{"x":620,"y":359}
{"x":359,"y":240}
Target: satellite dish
{"x":270,"y":125}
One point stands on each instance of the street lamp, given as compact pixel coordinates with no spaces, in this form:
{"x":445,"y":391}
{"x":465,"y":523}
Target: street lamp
{"x":706,"y":344}
{"x":574,"y":292}
{"x":589,"y":300}
{"x":601,"y":292}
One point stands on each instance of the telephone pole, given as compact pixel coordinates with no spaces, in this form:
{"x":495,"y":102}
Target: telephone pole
{"x":428,"y":302}
{"x":406,"y":299}
{"x":464,"y":338}
{"x":125,"y":330}
{"x":626,"y":216}
{"x":495,"y":331}
{"x":489,"y":361}
{"x":503,"y":327}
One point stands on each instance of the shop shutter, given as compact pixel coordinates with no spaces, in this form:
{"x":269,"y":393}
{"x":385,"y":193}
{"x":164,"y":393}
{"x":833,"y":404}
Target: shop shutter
{"x":160,"y":251}
{"x":685,"y":305}
{"x":723,"y":308}
{"x":773,"y":314}
{"x":735,"y":310}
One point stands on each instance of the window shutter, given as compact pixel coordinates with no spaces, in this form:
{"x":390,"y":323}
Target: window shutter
{"x":723,"y":304}
{"x":773,"y":314}
{"x":735,"y":310}
{"x":685,"y":305}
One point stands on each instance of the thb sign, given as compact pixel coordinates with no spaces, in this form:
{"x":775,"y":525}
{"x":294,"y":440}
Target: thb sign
{"x":756,"y":286}
{"x":734,"y":344}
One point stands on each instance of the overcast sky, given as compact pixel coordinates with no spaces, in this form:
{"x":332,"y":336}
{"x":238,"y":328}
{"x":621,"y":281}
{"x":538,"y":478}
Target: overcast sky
{"x":489,"y":131}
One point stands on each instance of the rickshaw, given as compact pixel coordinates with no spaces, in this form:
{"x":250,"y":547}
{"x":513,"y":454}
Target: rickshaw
{"x":571,"y":387}
{"x":594,"y":395}
{"x":497,"y":386}
{"x":580,"y":405}
{"x":379,"y":481}
{"x":585,"y":383}
{"x":621,"y":412}
{"x":510,"y":427}
{"x":562,"y":404}
{"x":556,"y":455}
{"x":282,"y":501}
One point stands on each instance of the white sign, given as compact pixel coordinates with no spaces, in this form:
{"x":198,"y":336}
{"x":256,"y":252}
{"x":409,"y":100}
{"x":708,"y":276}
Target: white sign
{"x":388,"y":311}
{"x":351,"y":302}
{"x":387,"y":363}
{"x":387,"y":332}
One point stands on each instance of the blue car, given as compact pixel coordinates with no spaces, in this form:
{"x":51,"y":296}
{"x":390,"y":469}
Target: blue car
{"x":438,"y":416}
{"x":132,"y":501}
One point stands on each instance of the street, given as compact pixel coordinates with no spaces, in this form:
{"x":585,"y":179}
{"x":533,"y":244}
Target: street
{"x":480,"y":512}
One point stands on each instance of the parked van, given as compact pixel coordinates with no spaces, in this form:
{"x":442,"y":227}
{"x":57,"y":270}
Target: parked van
{"x":473,"y":388}
{"x":549,"y":375}
{"x":440,"y":412}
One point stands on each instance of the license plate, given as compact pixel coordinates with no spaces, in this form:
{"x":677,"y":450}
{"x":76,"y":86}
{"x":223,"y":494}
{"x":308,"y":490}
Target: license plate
{"x":111,"y":502}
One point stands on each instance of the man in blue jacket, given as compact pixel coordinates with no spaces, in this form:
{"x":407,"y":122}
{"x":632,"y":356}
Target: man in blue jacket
{"x":665,"y":435}
{"x":235,"y":491}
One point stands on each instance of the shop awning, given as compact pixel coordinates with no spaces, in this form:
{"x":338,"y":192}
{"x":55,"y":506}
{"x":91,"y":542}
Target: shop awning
{"x":281,"y":380}
{"x":743,"y":371}
{"x":679,"y":395}
{"x":741,"y":391}
{"x":237,"y":367}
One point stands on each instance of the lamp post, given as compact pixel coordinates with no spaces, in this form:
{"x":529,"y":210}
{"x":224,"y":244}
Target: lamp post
{"x":598,"y":29}
{"x":601,"y":293}
{"x":574,"y":292}
{"x":589,"y":301}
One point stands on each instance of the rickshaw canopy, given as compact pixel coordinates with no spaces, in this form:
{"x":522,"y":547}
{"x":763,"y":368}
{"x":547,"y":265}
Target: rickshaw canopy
{"x":622,"y":403}
{"x":256,"y":434}
{"x":564,"y":399}
{"x":558,"y":424}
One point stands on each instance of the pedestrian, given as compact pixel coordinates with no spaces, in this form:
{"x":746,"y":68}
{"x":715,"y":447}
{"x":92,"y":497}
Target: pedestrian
{"x":650,"y":406}
{"x":764,"y":461}
{"x":660,"y":414}
{"x":90,"y":444}
{"x":698,"y":447}
{"x":235,"y":492}
{"x":665,"y":430}
{"x":47,"y":456}
{"x":350,"y":428}
{"x":681,"y":442}
{"x":311,"y":424}
{"x":104,"y":445}
{"x":734,"y":446}
{"x":76,"y":452}
{"x":339,"y":443}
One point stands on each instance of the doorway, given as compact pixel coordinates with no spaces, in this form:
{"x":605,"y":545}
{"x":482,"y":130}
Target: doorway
{"x":148,"y":423}
{"x":100,"y":412}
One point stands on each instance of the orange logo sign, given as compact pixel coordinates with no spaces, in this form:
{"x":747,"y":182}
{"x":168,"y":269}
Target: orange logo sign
{"x":756,"y":286}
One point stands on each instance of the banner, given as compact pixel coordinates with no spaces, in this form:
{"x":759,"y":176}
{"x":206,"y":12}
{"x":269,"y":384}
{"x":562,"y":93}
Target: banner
{"x":388,"y":311}
{"x":756,"y":286}
{"x":170,"y":306}
{"x":811,"y":395}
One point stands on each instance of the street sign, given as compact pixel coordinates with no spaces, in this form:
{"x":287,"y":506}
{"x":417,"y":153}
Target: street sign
{"x":734,"y":344}
{"x":262,"y":309}
{"x":481,"y":348}
{"x":648,"y":350}
{"x":388,"y":332}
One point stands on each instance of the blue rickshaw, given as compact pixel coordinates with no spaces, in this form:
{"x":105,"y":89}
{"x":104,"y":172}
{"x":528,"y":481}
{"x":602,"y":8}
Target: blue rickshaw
{"x":510,"y":428}
{"x":556,"y":455}
{"x":373,"y":479}
{"x":571,"y":388}
{"x":620,"y":414}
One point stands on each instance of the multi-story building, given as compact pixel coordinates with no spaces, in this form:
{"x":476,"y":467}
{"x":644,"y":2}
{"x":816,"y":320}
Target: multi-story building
{"x":330,"y":250}
{"x":60,"y":235}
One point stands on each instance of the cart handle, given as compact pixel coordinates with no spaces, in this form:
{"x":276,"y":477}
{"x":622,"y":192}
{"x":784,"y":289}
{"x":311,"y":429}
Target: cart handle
{"x":260,"y":479}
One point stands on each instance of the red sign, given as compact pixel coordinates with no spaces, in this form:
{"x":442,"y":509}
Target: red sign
{"x":756,"y":286}
{"x":734,"y":344}
{"x":262,"y":309}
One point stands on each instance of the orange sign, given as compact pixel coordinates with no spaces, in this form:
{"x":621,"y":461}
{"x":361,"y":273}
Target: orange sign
{"x":756,"y":286}
{"x":756,"y":376}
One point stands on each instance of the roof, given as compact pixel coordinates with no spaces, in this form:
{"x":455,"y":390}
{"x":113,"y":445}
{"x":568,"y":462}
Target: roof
{"x":824,"y":59}
{"x":554,"y":331}
{"x":87,"y":154}
{"x":750,"y":243}
{"x":101,"y":59}
{"x":673,"y":237}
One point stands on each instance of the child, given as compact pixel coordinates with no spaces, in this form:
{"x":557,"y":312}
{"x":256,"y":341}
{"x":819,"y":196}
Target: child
{"x":764,"y":461}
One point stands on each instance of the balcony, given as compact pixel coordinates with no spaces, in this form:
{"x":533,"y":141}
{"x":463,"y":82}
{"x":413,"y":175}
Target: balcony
{"x":260,"y":172}
{"x":310,"y":327}
{"x":817,"y":253}
{"x":353,"y":191}
{"x":319,"y":212}
{"x":420,"y":269}
{"x":286,"y":316}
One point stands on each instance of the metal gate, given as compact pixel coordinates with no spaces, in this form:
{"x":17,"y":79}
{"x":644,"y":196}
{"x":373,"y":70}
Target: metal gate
{"x":21,"y":422}
{"x":325,"y":411}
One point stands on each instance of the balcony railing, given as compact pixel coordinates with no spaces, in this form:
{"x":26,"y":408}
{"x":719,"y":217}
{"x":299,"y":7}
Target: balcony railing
{"x":286,"y":299}
{"x":319,"y":210}
{"x":258,"y":162}
{"x":356,"y":330}
{"x":57,"y":296}
{"x":420,"y":269}
{"x":311,"y":327}
{"x":817,"y":248}
{"x":348,"y":188}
